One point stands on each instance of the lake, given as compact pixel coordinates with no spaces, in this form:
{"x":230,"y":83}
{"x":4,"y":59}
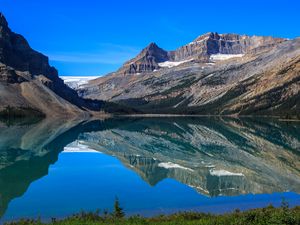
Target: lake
{"x":55,"y":168}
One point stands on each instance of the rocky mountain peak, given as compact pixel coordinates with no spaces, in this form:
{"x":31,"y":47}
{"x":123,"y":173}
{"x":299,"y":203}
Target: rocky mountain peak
{"x":152,"y":45}
{"x":17,"y":53}
{"x":207,"y":35}
{"x":3,"y":21}
{"x":146,"y":61}
{"x":158,"y":54}
{"x":222,"y":37}
{"x":30,"y":85}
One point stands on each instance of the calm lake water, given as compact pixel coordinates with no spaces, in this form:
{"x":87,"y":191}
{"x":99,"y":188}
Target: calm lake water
{"x":55,"y":168}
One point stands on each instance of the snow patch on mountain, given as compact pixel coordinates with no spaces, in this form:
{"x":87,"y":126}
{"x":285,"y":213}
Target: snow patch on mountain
{"x":220,"y":57}
{"x":170,"y":64}
{"x":78,"y":147}
{"x":220,"y":173}
{"x":77,"y":81}
{"x":170,"y":165}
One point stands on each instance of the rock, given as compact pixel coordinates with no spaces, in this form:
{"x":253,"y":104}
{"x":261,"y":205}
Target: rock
{"x":16,"y":53}
{"x":29,"y":83}
{"x":232,"y":75}
{"x":3,"y":21}
{"x":214,"y":43}
{"x":146,"y":61}
{"x":200,"y":49}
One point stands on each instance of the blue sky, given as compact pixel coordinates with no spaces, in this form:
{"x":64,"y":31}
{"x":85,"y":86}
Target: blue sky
{"x":94,"y":37}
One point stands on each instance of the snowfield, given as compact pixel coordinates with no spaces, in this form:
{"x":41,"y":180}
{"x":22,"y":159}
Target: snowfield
{"x":220,"y":57}
{"x":170,"y":165}
{"x":213,"y":58}
{"x":170,"y":64}
{"x":78,"y":147}
{"x":220,"y":173}
{"x":77,"y":81}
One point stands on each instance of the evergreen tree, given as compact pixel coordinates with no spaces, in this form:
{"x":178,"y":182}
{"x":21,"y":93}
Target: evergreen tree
{"x":118,"y":211}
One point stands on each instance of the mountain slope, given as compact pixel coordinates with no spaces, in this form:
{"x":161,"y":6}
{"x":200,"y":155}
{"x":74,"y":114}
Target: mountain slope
{"x":217,"y":74}
{"x":30,"y":86}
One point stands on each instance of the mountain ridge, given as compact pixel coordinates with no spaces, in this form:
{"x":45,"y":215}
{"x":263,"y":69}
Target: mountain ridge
{"x":216,"y":74}
{"x":216,"y":80}
{"x":199,"y":49}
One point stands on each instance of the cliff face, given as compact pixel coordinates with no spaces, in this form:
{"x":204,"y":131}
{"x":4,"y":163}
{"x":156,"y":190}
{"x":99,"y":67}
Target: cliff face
{"x":29,"y":85}
{"x":213,"y":43}
{"x":199,"y":50}
{"x":28,"y":82}
{"x":15,"y":52}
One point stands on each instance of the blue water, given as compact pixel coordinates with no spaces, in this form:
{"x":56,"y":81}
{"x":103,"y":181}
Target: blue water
{"x":78,"y":181}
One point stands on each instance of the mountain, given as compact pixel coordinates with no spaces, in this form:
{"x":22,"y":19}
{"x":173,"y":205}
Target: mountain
{"x":147,"y":61}
{"x":217,"y":156}
{"x":220,"y":74}
{"x":153,"y":57}
{"x":30,"y":86}
{"x":230,"y":44}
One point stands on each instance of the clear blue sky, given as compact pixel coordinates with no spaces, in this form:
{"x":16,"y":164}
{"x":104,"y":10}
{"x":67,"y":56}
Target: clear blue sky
{"x":93,"y":37}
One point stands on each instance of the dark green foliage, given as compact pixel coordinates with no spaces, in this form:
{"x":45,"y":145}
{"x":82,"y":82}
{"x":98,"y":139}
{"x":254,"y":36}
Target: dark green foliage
{"x":118,"y":211}
{"x":269,"y":215}
{"x":186,"y":83}
{"x":22,"y":112}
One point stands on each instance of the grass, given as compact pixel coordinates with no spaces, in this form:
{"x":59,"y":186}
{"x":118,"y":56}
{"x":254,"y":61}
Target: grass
{"x":269,"y":215}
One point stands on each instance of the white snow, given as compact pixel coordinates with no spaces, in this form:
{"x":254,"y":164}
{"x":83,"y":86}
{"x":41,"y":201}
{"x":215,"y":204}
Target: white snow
{"x":199,"y":187}
{"x":79,"y":150}
{"x":220,"y":57}
{"x":195,"y":42}
{"x":198,"y":42}
{"x":170,"y":64}
{"x":77,"y":81}
{"x":220,"y":173}
{"x":170,"y":165}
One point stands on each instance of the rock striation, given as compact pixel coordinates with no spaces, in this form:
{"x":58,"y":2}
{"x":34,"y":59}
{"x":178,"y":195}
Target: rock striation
{"x":200,"y":50}
{"x":213,"y":43}
{"x":146,"y":61}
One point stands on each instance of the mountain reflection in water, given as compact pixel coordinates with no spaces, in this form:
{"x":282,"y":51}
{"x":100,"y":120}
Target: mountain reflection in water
{"x":214,"y":156}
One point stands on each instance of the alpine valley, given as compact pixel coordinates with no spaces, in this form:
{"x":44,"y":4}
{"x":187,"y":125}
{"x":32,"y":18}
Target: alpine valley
{"x":216,"y":74}
{"x":208,"y":128}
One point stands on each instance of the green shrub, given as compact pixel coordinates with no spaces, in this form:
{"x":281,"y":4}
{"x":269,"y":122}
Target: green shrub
{"x":265,"y":216}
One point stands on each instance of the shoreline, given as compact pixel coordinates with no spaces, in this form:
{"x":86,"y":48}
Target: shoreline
{"x":203,"y":115}
{"x":268,"y":215}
